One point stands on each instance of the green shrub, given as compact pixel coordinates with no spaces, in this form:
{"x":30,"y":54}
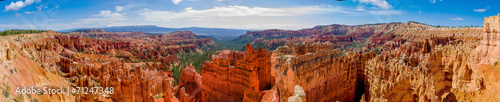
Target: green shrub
{"x":158,"y":96}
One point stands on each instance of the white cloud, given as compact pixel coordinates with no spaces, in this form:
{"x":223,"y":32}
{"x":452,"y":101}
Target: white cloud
{"x":360,"y":8}
{"x":29,"y":12}
{"x":434,"y":1}
{"x":457,"y":19}
{"x":107,"y":13}
{"x":244,"y":17}
{"x":379,"y":3}
{"x":104,"y":18}
{"x":481,"y":10}
{"x":119,"y":8}
{"x":385,"y":12}
{"x":176,"y":1}
{"x":39,"y":8}
{"x":15,"y":6}
{"x":236,"y":11}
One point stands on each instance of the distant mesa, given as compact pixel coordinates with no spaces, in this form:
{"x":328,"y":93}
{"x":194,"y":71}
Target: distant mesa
{"x":90,"y":30}
{"x":219,"y":33}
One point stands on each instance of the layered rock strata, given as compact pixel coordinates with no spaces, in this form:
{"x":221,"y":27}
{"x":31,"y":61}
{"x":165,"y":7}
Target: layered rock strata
{"x":228,"y":78}
{"x":324,"y":75}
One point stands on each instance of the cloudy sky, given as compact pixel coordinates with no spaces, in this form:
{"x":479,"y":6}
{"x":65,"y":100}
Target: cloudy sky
{"x":238,"y":14}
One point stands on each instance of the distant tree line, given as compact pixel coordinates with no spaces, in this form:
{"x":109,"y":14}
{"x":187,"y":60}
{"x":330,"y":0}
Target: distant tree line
{"x":460,"y":26}
{"x":16,"y":31}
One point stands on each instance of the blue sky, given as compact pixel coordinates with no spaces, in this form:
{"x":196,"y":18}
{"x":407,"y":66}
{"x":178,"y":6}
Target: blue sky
{"x":238,"y":14}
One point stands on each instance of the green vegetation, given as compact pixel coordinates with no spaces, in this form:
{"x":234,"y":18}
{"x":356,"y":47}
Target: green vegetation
{"x":185,"y":59}
{"x":355,"y":45}
{"x":15,"y":32}
{"x":495,"y":63}
{"x":158,"y":96}
{"x":242,"y":40}
{"x":227,"y":45}
{"x":197,"y":59}
{"x":417,"y":22}
{"x":269,"y":48}
{"x":176,"y":72}
{"x":380,"y":23}
{"x":5,"y":94}
{"x":19,"y":98}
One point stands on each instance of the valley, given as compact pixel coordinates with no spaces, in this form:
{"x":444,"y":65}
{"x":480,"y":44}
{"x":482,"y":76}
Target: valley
{"x":367,"y":63}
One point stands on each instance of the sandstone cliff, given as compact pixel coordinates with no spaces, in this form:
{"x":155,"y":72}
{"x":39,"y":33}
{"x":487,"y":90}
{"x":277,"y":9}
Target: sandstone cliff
{"x":325,"y":75}
{"x":232,"y":74}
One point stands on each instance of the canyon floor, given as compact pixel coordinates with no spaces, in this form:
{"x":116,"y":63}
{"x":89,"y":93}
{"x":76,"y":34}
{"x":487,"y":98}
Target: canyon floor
{"x":394,"y":62}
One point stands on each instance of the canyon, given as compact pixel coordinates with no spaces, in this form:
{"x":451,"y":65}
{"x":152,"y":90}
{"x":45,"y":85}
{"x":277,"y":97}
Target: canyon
{"x":373,"y":62}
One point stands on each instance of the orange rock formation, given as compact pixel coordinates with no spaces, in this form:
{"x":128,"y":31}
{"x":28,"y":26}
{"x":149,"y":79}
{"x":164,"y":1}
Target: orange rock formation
{"x":229,"y":76}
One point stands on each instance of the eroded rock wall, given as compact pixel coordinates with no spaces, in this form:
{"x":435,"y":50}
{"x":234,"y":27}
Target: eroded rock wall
{"x":417,"y":76}
{"x":231,"y":74}
{"x":325,"y":75}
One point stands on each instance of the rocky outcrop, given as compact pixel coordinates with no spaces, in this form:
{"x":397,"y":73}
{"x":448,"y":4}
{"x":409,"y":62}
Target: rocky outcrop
{"x":190,"y":84}
{"x":486,"y":52}
{"x":139,"y":84}
{"x":82,"y":96}
{"x":414,"y":76}
{"x":298,"y":96}
{"x":106,"y":62}
{"x":19,"y":69}
{"x":324,"y":75}
{"x":231,"y":74}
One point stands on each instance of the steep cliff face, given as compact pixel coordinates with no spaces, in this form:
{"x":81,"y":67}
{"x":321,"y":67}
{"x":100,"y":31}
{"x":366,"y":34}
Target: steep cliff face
{"x":442,"y":69}
{"x":324,"y":75}
{"x":18,"y":69}
{"x":487,"y":51}
{"x":417,"y":76}
{"x":139,"y":84}
{"x":231,"y":74}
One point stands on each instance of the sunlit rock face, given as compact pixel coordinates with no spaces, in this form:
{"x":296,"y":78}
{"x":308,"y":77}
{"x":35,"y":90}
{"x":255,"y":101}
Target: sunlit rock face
{"x":91,"y":58}
{"x":229,"y":74}
{"x":325,"y":75}
{"x":442,"y":69}
{"x":487,"y":51}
